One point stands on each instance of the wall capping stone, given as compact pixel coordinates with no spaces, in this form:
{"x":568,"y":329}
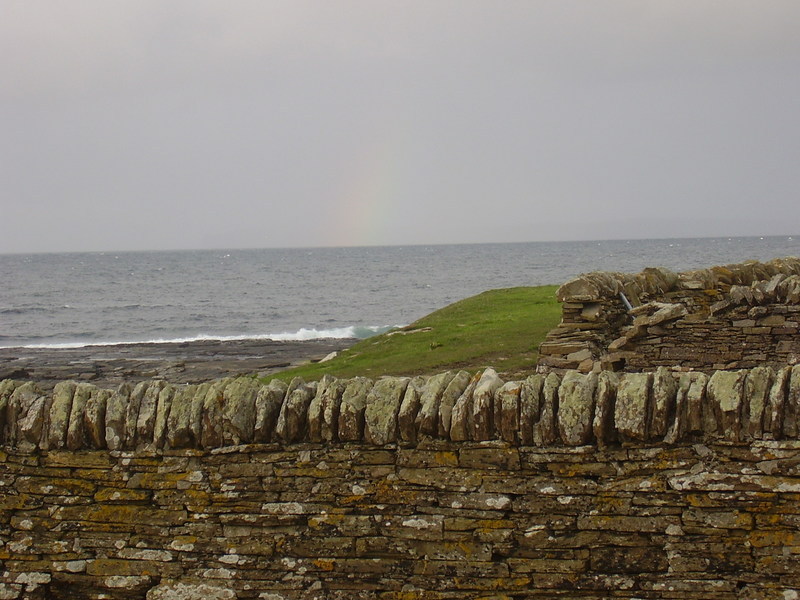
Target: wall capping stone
{"x":572,"y":409}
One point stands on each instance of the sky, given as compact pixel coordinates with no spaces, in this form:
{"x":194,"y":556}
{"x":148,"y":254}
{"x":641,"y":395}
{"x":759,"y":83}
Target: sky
{"x":144,"y":124}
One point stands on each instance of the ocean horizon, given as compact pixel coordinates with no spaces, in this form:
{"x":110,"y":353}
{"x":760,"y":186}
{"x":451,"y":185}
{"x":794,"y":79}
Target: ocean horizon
{"x":76,"y":299}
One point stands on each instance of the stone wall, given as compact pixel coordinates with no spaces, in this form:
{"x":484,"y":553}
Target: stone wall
{"x":636,"y":485}
{"x":572,"y":409}
{"x":727,"y":317}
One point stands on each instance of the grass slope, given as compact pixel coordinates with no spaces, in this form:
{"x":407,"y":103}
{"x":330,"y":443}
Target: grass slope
{"x":498,"y":328}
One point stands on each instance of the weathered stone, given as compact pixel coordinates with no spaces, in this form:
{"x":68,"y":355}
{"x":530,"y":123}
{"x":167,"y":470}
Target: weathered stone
{"x":292,"y":421}
{"x":179,"y":429}
{"x":132,"y":413}
{"x":116,"y":411}
{"x":578,"y":290}
{"x":483,"y":405}
{"x":633,"y":405}
{"x":791,"y":413}
{"x":576,"y":407}
{"x":316,"y":411}
{"x":380,"y":413}
{"x":211,"y":435}
{"x":351,"y":409}
{"x":663,"y":403}
{"x":164,"y":407}
{"x":7,"y":387}
{"x":18,"y":404}
{"x":695,"y":400}
{"x":94,"y":419}
{"x":678,"y":427}
{"x":449,"y":398}
{"x":461,"y":415}
{"x":196,"y":412}
{"x":269,"y":402}
{"x":31,"y":425}
{"x":239,"y":411}
{"x":146,"y":420}
{"x":190,"y":591}
{"x":530,"y":406}
{"x":545,"y":430}
{"x":605,"y":398}
{"x":725,"y":390}
{"x":76,"y":438}
{"x":428,"y":415}
{"x":757,"y":385}
{"x":60,"y":409}
{"x":409,"y":407}
{"x":506,"y":402}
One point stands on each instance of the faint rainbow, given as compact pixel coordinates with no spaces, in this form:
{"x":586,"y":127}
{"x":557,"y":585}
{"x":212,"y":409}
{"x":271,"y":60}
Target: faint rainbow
{"x":369,"y":196}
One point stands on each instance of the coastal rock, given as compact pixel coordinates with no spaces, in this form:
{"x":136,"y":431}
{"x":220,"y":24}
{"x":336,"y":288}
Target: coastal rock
{"x":506,"y":399}
{"x":449,"y":397}
{"x":239,"y":411}
{"x":632,"y":406}
{"x":530,"y":407}
{"x":544,"y":431}
{"x":576,"y":407}
{"x":269,"y":402}
{"x":483,"y":405}
{"x":293,"y":418}
{"x":60,"y":409}
{"x":380,"y":414}
{"x":428,"y":415}
{"x":351,"y":409}
{"x":409,"y":407}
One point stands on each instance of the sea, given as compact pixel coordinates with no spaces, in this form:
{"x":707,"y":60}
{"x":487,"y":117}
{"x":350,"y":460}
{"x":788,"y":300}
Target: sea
{"x":83,"y":299}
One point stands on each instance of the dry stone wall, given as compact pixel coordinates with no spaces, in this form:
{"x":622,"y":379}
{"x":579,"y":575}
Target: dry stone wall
{"x":571,"y":409}
{"x":727,"y":317}
{"x":631,"y":485}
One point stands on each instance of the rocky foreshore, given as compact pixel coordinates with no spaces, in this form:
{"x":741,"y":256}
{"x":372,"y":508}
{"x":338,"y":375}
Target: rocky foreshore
{"x":185,"y":362}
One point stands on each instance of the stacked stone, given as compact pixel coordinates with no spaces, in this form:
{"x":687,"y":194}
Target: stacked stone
{"x":571,"y":409}
{"x":735,"y":316}
{"x":443,"y":520}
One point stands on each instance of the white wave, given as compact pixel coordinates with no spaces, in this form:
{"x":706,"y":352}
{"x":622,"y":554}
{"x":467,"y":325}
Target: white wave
{"x":304,"y":334}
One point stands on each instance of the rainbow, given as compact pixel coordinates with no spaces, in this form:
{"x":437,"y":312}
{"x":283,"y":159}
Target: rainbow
{"x":371,"y":193}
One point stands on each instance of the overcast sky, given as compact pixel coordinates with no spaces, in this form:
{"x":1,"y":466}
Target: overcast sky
{"x":145,"y":124}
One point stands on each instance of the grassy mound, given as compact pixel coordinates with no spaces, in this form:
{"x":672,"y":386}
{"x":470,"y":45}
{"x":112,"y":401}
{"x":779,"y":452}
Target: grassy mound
{"x":498,"y":328}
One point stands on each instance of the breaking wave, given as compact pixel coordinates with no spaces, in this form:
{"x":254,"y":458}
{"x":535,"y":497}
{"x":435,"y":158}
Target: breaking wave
{"x":353,"y":332}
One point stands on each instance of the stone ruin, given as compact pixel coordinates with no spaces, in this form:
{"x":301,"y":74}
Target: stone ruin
{"x":737,"y":316}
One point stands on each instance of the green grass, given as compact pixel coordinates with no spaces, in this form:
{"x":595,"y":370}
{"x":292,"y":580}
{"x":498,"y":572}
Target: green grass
{"x":498,"y":328}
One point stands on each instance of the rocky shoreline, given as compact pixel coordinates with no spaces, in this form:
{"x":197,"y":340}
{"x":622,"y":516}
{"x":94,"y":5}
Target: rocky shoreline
{"x":183,"y":362}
